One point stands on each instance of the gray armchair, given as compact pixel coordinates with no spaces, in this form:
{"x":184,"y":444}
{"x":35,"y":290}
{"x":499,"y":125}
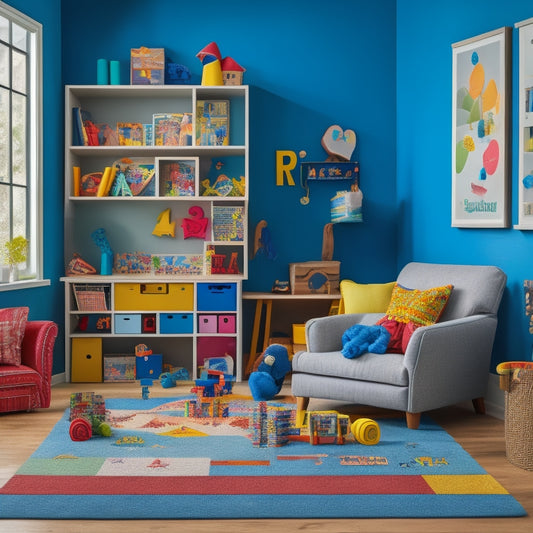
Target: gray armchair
{"x":444,"y":364}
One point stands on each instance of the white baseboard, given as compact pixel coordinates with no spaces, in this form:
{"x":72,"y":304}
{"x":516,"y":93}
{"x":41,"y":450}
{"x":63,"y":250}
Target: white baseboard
{"x":58,"y":378}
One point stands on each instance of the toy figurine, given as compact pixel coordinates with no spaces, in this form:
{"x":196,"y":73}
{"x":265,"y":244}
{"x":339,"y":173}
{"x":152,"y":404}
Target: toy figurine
{"x":272,"y":367}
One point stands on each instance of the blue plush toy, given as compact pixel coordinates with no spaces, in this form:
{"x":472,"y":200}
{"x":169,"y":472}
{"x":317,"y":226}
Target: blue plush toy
{"x":267,"y":380}
{"x":360,"y":339}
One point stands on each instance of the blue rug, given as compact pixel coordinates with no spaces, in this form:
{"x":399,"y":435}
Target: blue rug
{"x":161,"y":464}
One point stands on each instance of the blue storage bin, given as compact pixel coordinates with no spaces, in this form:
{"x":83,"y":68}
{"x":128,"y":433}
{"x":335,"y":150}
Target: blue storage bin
{"x":176,"y":323}
{"x":149,"y":366}
{"x":128,"y":323}
{"x":216,"y":297}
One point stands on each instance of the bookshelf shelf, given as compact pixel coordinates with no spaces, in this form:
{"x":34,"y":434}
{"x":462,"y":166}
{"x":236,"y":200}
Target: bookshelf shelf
{"x":203,"y":264}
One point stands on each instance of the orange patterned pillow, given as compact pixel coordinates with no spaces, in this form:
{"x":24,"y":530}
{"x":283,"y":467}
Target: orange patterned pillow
{"x":419,"y":307}
{"x":12,"y":327}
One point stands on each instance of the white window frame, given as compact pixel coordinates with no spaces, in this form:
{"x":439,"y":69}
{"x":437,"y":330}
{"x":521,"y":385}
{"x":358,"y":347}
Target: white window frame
{"x":35,"y":151}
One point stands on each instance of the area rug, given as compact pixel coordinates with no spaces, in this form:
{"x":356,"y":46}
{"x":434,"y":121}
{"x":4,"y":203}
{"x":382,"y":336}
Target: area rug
{"x":162,"y":463}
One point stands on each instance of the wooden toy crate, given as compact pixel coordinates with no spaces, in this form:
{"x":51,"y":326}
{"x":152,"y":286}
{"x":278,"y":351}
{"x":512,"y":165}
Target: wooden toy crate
{"x":315,"y":277}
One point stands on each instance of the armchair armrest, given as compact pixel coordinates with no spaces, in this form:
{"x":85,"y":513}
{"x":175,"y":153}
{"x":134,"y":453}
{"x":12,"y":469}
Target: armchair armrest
{"x":449,"y":362}
{"x":324,"y":334}
{"x":38,"y":353}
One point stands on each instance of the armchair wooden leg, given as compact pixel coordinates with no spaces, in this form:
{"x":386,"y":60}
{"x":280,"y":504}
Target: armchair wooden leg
{"x":302,"y":403}
{"x":413,"y":420}
{"x":479,"y":406}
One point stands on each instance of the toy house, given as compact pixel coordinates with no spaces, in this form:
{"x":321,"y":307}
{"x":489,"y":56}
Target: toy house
{"x":232,"y":72}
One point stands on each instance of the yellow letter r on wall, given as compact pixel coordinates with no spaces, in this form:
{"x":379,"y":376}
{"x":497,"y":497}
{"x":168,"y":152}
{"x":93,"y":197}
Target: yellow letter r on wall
{"x":283,"y":167}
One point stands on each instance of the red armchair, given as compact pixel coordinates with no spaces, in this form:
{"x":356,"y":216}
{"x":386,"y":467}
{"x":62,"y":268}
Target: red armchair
{"x":27,"y":387}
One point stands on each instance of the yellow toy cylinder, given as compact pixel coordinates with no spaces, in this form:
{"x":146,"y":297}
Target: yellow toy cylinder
{"x":366,"y":431}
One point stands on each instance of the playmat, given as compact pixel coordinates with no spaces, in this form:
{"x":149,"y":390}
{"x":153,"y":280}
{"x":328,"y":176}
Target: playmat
{"x":165,"y":460}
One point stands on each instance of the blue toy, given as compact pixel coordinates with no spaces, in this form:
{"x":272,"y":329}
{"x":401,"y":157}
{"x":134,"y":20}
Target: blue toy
{"x":146,"y":383}
{"x":273,"y":366}
{"x":168,"y":379}
{"x":100,"y":239}
{"x":360,"y":339}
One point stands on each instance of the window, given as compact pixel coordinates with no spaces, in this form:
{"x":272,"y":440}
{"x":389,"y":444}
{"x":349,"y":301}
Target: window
{"x":20,"y":139}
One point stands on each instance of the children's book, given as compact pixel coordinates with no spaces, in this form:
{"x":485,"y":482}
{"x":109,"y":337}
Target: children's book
{"x":80,"y":119}
{"x":107,"y":136}
{"x":177,"y":177}
{"x":172,"y":129}
{"x":138,"y":173}
{"x":212,"y":122}
{"x":148,"y":134}
{"x":175,"y":264}
{"x":133,"y":263}
{"x":130,"y":133}
{"x":228,"y":223}
{"x":167,"y":129}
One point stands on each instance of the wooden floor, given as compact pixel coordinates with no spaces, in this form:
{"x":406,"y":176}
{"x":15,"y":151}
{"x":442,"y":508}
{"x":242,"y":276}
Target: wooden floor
{"x":482,"y":436}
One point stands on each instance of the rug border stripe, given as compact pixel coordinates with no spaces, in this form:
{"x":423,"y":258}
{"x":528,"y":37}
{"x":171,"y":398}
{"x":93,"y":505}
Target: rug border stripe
{"x":215,"y":485}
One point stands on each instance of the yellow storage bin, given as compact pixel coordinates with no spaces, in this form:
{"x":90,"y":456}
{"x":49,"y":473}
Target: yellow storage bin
{"x":86,"y":359}
{"x":154,"y":296}
{"x":298,"y":334}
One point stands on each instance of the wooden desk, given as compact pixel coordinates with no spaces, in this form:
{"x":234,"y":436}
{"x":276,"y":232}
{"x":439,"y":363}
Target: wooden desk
{"x":266,"y":298}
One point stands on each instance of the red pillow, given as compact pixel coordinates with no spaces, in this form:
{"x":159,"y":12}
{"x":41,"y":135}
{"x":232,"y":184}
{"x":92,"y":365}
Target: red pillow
{"x":400,"y":333}
{"x":12,"y":326}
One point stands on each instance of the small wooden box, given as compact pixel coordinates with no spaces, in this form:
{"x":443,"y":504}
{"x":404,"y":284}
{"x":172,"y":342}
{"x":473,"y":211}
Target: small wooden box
{"x":119,"y":367}
{"x":315,"y":277}
{"x":147,"y":66}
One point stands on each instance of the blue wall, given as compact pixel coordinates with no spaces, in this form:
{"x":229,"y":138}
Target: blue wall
{"x":307,"y":64}
{"x":47,"y":303}
{"x":424,"y":102}
{"x":381,"y":68}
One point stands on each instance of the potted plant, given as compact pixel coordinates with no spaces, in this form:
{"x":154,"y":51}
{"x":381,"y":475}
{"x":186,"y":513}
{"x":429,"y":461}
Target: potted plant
{"x":14,"y":253}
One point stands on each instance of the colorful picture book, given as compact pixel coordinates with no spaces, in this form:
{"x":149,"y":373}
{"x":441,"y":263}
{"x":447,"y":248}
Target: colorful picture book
{"x":177,"y":176}
{"x":178,"y":264}
{"x":212,"y":122}
{"x":84,"y":132}
{"x":133,"y":263}
{"x":138,"y":175}
{"x":172,"y":129}
{"x":147,"y":66}
{"x":130,"y":133}
{"x":228,"y":223}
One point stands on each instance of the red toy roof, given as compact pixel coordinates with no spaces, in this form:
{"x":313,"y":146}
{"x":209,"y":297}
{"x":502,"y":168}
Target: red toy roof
{"x":210,"y":50}
{"x":228,"y":63}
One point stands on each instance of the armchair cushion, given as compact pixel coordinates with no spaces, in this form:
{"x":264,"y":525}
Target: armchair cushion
{"x":12,"y":326}
{"x":365,"y":298}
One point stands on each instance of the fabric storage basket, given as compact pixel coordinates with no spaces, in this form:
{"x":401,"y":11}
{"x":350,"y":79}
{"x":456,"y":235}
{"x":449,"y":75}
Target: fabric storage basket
{"x":516,"y":379}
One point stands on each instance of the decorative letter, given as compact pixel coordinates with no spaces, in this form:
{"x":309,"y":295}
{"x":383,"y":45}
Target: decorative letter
{"x":285,"y":168}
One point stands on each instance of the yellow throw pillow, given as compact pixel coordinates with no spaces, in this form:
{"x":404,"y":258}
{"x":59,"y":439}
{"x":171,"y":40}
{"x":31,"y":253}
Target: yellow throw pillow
{"x":419,"y":307}
{"x":365,"y":298}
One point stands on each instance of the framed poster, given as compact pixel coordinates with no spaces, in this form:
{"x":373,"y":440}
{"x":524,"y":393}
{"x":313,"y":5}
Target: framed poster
{"x":480,"y":127}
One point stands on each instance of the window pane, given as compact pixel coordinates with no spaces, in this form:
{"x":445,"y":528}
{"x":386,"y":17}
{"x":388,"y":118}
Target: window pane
{"x":19,"y":72}
{"x":19,"y":139}
{"x":19,"y":211}
{"x":4,"y":136}
{"x":19,"y":37}
{"x":4,"y":65}
{"x":4,"y":215}
{"x":4,"y":29}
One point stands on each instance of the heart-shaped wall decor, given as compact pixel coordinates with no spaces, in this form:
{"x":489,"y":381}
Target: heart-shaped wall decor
{"x":338,"y":142}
